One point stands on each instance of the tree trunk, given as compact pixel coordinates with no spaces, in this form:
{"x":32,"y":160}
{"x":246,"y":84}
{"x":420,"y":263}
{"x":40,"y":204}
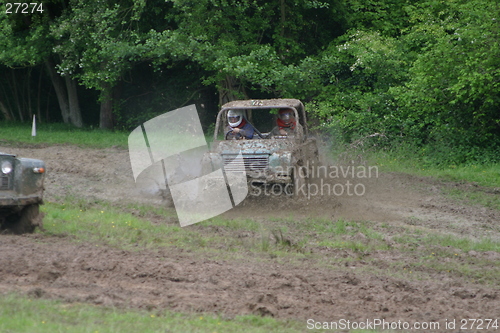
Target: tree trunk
{"x":231,"y":89}
{"x":75,"y":115}
{"x":60,"y":89}
{"x":106,"y":115}
{"x":283,"y":17}
{"x":16,"y":95}
{"x":28,"y":93}
{"x":5,"y":111}
{"x":38,"y":101}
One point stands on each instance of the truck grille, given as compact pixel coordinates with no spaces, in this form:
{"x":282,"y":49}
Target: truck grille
{"x":251,"y":162}
{"x":4,"y":183}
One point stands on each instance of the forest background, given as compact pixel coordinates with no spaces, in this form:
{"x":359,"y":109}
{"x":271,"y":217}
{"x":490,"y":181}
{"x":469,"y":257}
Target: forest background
{"x":420,"y":75}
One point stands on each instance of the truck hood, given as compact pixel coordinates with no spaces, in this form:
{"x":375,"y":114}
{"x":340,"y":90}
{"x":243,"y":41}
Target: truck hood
{"x":259,"y":146}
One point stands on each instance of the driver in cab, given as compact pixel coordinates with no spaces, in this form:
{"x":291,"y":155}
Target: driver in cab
{"x":238,"y":128}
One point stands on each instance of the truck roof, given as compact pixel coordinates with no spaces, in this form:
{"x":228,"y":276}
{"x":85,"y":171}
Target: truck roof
{"x":268,"y":103}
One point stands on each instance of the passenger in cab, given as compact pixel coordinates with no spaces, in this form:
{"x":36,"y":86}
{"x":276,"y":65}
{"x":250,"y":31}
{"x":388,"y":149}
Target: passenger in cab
{"x":286,"y":124}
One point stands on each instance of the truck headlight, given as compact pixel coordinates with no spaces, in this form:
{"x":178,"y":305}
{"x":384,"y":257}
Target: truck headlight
{"x":6,"y":167}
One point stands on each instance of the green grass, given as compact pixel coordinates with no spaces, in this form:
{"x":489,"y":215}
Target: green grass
{"x":449,"y":254}
{"x":20,"y":314}
{"x":452,"y":242}
{"x":487,"y":175}
{"x":58,"y":133}
{"x":131,"y":229}
{"x":234,"y":224}
{"x":463,"y":244}
{"x":62,"y":134}
{"x":488,"y":198}
{"x":436,"y":252}
{"x":341,"y":234}
{"x":468,"y":268}
{"x":483,"y":181}
{"x":110,"y":226}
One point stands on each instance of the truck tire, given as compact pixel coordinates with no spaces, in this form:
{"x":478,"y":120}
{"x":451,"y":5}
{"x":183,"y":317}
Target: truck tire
{"x":26,"y":220}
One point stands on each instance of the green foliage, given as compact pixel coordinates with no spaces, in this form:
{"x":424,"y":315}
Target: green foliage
{"x":259,"y":43}
{"x":357,"y":75}
{"x":435,"y":86}
{"x":23,"y":38}
{"x":455,"y":80}
{"x":425,"y":73}
{"x":101,"y":55}
{"x":388,"y":17}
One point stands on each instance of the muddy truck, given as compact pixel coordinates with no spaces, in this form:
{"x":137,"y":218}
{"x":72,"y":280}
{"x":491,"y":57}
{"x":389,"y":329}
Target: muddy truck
{"x":21,"y":193}
{"x":272,"y":156}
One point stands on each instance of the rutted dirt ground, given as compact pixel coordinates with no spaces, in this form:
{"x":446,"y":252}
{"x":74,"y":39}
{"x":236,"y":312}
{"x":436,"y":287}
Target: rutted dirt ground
{"x":41,"y":265}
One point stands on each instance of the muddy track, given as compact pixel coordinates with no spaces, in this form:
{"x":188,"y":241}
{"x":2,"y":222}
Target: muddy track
{"x":57,"y":268}
{"x":41,"y":265}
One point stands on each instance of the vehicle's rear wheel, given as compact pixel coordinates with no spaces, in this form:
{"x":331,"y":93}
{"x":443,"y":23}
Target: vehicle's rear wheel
{"x":25,"y":221}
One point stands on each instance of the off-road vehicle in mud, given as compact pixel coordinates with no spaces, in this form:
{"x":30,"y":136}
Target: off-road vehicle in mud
{"x":268,"y":158}
{"x":21,"y":193}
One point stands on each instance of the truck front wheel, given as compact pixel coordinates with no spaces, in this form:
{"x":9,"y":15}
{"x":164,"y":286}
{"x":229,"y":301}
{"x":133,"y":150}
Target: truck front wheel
{"x":25,"y":221}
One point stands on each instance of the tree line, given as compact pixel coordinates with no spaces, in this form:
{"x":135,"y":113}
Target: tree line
{"x":419,"y":70}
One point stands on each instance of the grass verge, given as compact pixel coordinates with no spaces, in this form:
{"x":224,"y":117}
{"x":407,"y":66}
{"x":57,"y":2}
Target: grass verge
{"x":56,"y":133}
{"x":140,"y":227}
{"x":469,"y":184}
{"x":21,"y":314}
{"x":133,"y":227}
{"x":487,"y":175}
